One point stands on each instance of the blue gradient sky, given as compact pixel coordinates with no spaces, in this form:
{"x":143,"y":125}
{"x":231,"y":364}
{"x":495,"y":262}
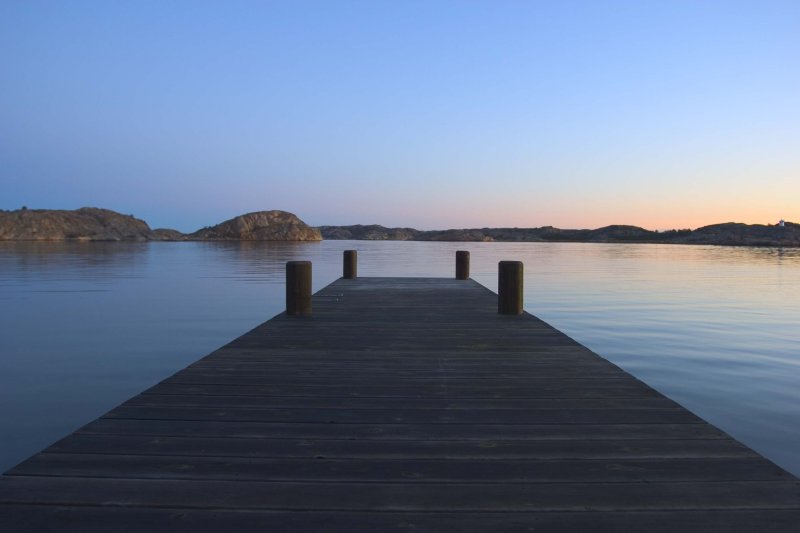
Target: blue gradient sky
{"x":428,"y":114}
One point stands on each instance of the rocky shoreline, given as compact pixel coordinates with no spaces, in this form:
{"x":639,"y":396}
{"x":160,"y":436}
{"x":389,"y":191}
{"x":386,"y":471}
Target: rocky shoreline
{"x":94,"y":224}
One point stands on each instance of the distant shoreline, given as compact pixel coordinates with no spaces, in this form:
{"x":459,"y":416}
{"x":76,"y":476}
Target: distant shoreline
{"x":727,"y":234}
{"x":94,"y":224}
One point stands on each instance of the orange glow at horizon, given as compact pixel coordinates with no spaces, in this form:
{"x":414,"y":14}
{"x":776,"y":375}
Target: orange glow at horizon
{"x":652,"y":216}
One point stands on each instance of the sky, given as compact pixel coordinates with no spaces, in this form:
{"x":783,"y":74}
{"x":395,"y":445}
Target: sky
{"x":429,"y":114}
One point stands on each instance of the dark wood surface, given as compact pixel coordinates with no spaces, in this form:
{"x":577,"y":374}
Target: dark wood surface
{"x":400,"y":405}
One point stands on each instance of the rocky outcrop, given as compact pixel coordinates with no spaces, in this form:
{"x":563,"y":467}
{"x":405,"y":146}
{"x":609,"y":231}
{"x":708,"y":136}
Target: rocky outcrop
{"x":735,"y":234}
{"x":93,"y":224}
{"x":166,"y":234}
{"x":372,"y":232}
{"x":86,"y":224}
{"x":458,"y":235}
{"x":620,"y":233}
{"x":259,"y":226}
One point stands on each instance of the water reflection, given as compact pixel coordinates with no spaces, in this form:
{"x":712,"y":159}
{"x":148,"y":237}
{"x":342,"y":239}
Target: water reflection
{"x":87,"y":325}
{"x":39,"y":262}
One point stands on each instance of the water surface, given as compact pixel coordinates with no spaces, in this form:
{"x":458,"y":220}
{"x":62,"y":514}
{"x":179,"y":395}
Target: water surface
{"x":87,"y":325}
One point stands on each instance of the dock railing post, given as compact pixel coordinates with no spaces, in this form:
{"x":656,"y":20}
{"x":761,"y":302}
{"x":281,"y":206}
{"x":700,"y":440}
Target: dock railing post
{"x":350,"y":264}
{"x":462,"y":264}
{"x":298,"y":288}
{"x":509,"y":288}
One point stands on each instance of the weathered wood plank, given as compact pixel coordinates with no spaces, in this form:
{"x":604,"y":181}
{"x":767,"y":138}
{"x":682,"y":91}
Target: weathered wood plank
{"x":399,"y":471}
{"x":487,"y":448}
{"x":277,"y":402}
{"x":618,"y":388}
{"x":432,"y":432}
{"x":421,"y":416}
{"x":372,"y":497}
{"x":38,"y":518}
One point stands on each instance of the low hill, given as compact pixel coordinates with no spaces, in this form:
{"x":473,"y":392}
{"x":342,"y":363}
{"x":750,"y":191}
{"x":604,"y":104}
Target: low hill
{"x":736,"y":234}
{"x":87,"y":223}
{"x":259,"y":226}
{"x":371,"y":232}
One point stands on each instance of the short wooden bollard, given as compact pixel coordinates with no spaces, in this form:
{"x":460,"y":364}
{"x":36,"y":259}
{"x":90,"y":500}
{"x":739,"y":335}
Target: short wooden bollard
{"x":509,"y":288}
{"x":462,"y":264}
{"x":298,"y":288}
{"x":350,"y":264}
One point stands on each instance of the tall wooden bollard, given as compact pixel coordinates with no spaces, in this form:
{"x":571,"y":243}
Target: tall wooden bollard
{"x":509,"y":288}
{"x":462,"y":264}
{"x":298,"y":288}
{"x":350,"y":264}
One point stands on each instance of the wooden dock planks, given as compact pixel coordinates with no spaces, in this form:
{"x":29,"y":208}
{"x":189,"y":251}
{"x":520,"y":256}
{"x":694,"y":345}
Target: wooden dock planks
{"x":400,"y":405}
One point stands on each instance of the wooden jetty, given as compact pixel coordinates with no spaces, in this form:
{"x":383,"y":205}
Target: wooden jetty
{"x":400,"y":404}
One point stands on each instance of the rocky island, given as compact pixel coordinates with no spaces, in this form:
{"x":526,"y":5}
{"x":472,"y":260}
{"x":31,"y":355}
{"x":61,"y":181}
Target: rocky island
{"x":259,"y":226}
{"x":93,"y":224}
{"x":85,"y":224}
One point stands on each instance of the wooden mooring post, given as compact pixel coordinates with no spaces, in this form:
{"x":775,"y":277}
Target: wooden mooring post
{"x":350,"y":264}
{"x":462,"y":264}
{"x":298,"y":288}
{"x":509,"y":288}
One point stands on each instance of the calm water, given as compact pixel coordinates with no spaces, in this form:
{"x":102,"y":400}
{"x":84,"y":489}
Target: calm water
{"x":87,"y":325}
